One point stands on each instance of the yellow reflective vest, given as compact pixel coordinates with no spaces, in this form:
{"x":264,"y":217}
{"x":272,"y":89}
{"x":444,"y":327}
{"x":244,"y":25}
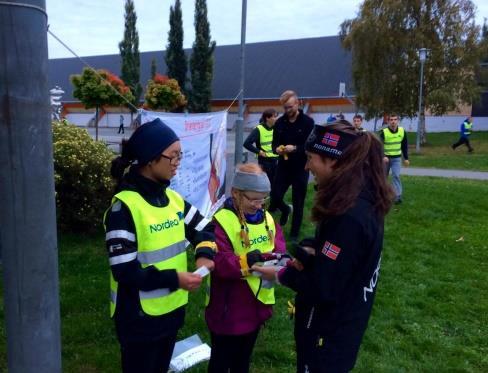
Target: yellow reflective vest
{"x":161,"y":243}
{"x":393,"y":141}
{"x":258,"y":237}
{"x":266,"y":141}
{"x":467,"y":128}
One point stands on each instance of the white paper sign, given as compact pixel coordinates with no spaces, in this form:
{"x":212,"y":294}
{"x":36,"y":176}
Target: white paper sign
{"x":201,"y":175}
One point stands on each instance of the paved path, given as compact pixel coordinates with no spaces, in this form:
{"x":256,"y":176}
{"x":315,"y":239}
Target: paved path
{"x":460,"y":174}
{"x":110,"y":135}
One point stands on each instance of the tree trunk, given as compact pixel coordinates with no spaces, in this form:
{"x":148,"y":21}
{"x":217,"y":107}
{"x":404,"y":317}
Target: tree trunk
{"x":96,"y":123}
{"x":423,"y":132}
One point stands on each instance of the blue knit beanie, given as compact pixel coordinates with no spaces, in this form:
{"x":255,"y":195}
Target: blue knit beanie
{"x":149,"y":141}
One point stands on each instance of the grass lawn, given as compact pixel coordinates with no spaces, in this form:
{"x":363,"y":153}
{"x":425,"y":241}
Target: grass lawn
{"x":437,"y":153}
{"x":430,"y":314}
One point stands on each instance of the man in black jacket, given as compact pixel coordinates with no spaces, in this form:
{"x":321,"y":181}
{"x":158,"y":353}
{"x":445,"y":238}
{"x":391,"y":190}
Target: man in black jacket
{"x":291,"y":132}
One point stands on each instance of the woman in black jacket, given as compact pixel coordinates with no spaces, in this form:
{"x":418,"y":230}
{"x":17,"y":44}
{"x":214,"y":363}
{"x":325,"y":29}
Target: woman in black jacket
{"x":148,"y":227}
{"x":335,"y":273}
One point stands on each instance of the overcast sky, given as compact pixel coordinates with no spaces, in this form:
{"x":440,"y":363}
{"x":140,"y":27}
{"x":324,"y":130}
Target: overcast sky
{"x":95,"y":27}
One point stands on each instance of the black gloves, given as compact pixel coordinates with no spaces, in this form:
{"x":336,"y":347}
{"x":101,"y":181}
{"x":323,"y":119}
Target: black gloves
{"x":254,"y":257}
{"x":304,"y":255}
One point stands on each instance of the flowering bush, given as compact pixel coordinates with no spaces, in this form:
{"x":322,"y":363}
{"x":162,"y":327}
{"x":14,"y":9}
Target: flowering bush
{"x":93,"y":91}
{"x":163,"y":93}
{"x":82,"y":177}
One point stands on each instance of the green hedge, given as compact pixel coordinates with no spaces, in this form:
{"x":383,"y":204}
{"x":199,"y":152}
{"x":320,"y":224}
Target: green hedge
{"x":82,"y":177}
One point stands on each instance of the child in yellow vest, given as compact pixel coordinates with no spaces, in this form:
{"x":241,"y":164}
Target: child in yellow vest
{"x":240,"y":302}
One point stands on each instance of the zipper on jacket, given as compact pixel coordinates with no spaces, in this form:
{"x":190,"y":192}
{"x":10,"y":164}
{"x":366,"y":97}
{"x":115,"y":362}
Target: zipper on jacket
{"x":309,"y":323}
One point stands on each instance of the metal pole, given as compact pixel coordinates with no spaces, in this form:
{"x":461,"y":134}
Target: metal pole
{"x":417,"y":143}
{"x":27,"y":214}
{"x":240,"y":118}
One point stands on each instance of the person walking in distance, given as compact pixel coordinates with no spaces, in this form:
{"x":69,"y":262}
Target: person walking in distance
{"x":395,"y":145}
{"x":464,"y":132}
{"x":260,"y":142}
{"x":121,"y":124}
{"x":291,"y":132}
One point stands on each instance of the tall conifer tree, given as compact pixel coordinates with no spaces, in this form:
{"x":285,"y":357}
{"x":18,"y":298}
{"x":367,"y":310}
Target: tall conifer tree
{"x":129,"y":53}
{"x":175,"y":57}
{"x":201,"y":61}
{"x":154,"y":68}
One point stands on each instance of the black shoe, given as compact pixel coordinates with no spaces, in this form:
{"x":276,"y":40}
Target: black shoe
{"x":470,"y":150}
{"x":285,"y":215}
{"x":398,"y":201}
{"x":453,"y":147}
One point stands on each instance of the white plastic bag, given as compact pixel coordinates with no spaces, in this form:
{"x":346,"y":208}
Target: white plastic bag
{"x":189,"y":352}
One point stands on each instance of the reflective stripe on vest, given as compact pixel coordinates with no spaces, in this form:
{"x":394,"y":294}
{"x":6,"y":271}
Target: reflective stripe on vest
{"x":258,"y":237}
{"x":467,"y":128}
{"x":266,"y":141}
{"x":161,"y":243}
{"x":393,"y":141}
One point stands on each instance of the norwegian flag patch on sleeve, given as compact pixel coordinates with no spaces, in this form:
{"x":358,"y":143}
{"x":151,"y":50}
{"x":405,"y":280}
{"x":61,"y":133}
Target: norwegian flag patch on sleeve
{"x":330,"y":250}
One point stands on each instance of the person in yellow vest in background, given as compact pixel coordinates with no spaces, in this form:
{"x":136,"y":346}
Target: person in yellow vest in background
{"x":464,"y":132}
{"x":260,"y":142}
{"x":395,"y":144}
{"x":147,"y":228}
{"x":240,"y":302}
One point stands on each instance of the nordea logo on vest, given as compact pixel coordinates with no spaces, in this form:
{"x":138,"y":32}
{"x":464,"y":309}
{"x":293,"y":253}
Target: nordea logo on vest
{"x":165,"y":225}
{"x":259,"y":239}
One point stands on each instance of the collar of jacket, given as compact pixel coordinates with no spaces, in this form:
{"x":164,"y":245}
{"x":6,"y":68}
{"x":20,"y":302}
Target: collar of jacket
{"x":154,"y":193}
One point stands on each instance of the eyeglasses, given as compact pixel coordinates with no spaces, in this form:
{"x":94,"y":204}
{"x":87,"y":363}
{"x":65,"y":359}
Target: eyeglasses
{"x":260,"y":202}
{"x":174,"y":160}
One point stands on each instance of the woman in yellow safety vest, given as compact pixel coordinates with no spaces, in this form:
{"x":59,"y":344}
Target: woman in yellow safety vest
{"x":147,"y":228}
{"x":240,"y":302}
{"x":260,"y":142}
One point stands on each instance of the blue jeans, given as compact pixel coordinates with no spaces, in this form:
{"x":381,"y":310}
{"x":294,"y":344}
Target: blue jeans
{"x":395,"y":165}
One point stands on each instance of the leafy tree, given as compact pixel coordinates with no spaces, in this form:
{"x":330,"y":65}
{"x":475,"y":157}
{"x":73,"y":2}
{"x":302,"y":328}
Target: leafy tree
{"x":154,"y":68}
{"x":96,"y":89}
{"x":163,"y":93}
{"x":175,"y":57}
{"x":384,"y":39}
{"x":482,"y":73}
{"x":129,"y":53}
{"x":201,"y":61}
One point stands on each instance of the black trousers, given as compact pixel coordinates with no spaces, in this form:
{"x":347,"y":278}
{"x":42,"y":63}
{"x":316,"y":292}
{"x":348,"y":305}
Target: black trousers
{"x":121,"y":128}
{"x":269,"y":166}
{"x":316,"y":354}
{"x":298,"y":180}
{"x":463,"y":140}
{"x":147,"y":357}
{"x":232,"y":353}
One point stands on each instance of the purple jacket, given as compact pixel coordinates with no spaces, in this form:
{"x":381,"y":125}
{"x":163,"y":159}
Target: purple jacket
{"x":233,"y":308}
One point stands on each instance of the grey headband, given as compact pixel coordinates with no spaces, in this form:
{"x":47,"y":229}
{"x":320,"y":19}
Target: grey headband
{"x":250,"y":181}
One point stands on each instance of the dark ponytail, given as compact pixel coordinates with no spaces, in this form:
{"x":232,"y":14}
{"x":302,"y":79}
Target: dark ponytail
{"x":268,"y":113}
{"x":120,"y":163}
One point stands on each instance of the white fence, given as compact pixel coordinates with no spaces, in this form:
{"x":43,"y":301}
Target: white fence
{"x":433,"y":124}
